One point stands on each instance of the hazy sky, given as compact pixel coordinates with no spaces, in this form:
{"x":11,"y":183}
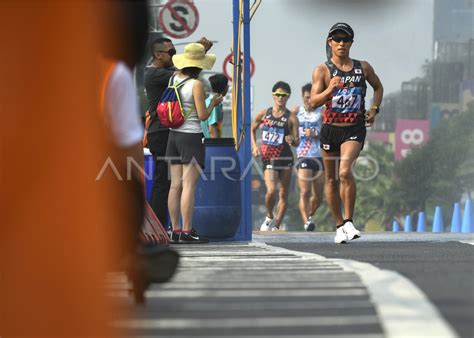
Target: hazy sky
{"x":288,"y":38}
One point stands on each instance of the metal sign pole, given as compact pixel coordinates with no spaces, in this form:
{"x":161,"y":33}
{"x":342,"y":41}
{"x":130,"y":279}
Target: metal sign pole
{"x":236,"y":84}
{"x":245,"y":149}
{"x":243,"y":115}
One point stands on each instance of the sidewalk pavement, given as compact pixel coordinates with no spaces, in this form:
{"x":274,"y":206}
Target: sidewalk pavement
{"x":253,"y":290}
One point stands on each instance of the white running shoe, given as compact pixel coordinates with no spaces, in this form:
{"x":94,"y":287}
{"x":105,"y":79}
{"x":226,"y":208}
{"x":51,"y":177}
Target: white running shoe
{"x":341,"y":236}
{"x":351,"y":231}
{"x":267,"y":224}
{"x":309,"y":225}
{"x":275,"y":228}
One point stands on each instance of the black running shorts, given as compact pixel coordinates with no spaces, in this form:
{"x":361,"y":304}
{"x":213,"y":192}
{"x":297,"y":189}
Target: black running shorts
{"x":278,"y":164}
{"x":312,"y":163}
{"x":333,"y":136}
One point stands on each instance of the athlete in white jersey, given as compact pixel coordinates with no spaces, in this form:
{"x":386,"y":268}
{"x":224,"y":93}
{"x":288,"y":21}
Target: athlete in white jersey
{"x":309,"y":164}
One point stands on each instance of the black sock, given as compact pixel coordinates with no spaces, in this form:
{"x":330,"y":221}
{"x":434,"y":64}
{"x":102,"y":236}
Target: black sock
{"x":340,"y":225}
{"x":348,"y":220}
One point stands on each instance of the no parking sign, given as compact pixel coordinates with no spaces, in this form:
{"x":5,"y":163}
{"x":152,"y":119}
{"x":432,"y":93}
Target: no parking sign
{"x":228,"y":67}
{"x":179,"y":18}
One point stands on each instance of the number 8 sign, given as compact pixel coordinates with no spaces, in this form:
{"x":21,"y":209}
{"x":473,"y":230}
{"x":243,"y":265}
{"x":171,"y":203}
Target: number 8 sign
{"x":412,"y":136}
{"x":410,"y":133}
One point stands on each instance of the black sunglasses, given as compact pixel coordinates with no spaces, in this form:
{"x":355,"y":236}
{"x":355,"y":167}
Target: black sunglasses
{"x":170,"y":52}
{"x":339,"y":39}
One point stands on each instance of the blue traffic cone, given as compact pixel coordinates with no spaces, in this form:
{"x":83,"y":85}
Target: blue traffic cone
{"x":421,"y":225}
{"x":438,"y":225}
{"x":456,"y":220}
{"x":408,"y":225}
{"x":467,"y":219}
{"x":395,"y":226}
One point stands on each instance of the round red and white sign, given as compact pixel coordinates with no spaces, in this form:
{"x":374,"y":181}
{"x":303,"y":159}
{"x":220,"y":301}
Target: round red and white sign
{"x":179,"y":18}
{"x":228,"y":67}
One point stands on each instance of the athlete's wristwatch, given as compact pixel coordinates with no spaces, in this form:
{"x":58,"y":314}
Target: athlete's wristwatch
{"x":376,"y":108}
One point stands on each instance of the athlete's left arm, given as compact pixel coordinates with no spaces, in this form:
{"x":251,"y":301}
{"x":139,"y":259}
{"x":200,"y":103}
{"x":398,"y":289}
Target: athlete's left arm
{"x":294,"y":125}
{"x":376,"y":84}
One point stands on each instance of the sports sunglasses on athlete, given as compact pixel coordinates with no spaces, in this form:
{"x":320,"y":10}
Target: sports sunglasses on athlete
{"x":170,"y":52}
{"x":343,"y":39}
{"x":281,"y":94}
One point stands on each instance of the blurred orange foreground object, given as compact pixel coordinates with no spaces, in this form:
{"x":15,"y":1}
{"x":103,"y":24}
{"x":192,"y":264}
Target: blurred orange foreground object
{"x":54,"y":241}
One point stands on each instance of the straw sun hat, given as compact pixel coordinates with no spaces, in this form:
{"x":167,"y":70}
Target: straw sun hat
{"x":194,"y":56}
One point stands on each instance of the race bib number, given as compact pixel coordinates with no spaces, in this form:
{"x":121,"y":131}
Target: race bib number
{"x":347,"y":100}
{"x":273,"y":136}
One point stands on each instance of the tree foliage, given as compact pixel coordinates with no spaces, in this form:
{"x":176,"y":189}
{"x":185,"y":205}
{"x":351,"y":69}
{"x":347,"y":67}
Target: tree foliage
{"x":378,"y":199}
{"x":440,"y":171}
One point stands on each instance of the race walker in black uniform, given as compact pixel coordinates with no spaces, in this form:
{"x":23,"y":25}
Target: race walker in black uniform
{"x":346,"y":106}
{"x":279,"y":132}
{"x":275,"y":152}
{"x":340,"y":85}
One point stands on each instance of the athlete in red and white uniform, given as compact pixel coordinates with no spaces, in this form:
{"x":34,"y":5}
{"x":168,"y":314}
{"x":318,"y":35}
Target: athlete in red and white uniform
{"x":340,"y":84}
{"x":279,"y":132}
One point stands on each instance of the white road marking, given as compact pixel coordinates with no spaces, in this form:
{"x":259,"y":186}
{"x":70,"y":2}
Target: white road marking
{"x":402,"y":307}
{"x":263,"y":284}
{"x":267,"y":268}
{"x":467,"y":242}
{"x":365,"y":335}
{"x":238,"y":293}
{"x":355,"y":335}
{"x":274,"y":305}
{"x":251,"y":322}
{"x":303,"y":277}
